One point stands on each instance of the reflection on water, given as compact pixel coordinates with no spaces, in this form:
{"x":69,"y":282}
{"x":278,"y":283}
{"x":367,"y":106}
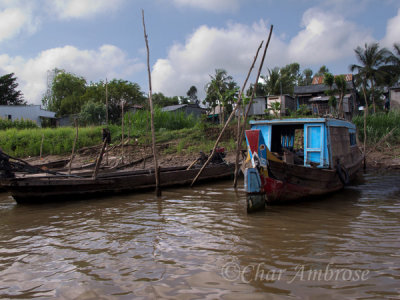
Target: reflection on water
{"x":201,"y":243}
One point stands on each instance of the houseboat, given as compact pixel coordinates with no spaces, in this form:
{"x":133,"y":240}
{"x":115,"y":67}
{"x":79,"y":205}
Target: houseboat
{"x":293,"y":159}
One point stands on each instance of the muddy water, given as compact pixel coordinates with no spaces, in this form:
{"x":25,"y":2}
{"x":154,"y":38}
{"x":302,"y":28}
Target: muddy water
{"x":201,"y":243}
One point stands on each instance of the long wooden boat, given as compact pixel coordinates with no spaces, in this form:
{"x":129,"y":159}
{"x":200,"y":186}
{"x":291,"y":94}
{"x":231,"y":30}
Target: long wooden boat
{"x":55,"y":188}
{"x":293,"y":159}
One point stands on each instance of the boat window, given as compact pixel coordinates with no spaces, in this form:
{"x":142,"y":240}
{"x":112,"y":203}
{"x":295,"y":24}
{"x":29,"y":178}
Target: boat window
{"x":353,"y":140}
{"x":287,"y":143}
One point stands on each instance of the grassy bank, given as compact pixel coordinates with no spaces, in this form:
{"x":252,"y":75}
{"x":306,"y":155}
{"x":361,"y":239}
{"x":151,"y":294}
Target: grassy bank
{"x":379,"y":125}
{"x":184,"y":134}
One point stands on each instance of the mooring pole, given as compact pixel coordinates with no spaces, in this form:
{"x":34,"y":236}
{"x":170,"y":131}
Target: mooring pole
{"x":153,"y":137}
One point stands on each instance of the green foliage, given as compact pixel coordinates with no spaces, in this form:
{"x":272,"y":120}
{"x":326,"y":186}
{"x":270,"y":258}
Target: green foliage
{"x":275,"y":107}
{"x":379,"y":125}
{"x":92,"y":113}
{"x":67,"y":90}
{"x":222,"y":90}
{"x":140,"y":120}
{"x":26,"y":142}
{"x":192,"y":94}
{"x":302,"y":111}
{"x":122,"y":90}
{"x":18,"y":124}
{"x":160,"y":100}
{"x":9,"y":95}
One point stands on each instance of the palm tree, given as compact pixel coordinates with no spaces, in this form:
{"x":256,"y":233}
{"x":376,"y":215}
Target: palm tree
{"x":372,"y":60}
{"x":394,"y":59}
{"x":221,"y":88}
{"x":329,"y":80}
{"x":341,"y":87}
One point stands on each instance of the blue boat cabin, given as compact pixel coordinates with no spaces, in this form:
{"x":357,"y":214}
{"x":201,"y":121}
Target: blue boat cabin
{"x":312,"y":142}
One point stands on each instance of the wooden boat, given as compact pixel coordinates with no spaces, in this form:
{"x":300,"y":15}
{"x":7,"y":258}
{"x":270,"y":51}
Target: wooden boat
{"x":293,"y":159}
{"x":55,"y":188}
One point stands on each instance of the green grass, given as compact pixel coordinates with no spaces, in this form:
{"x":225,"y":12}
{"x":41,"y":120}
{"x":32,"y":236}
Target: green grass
{"x":379,"y":125}
{"x":59,"y":141}
{"x":18,"y":124}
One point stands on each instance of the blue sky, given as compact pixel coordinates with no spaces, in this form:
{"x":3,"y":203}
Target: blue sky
{"x":189,"y":39}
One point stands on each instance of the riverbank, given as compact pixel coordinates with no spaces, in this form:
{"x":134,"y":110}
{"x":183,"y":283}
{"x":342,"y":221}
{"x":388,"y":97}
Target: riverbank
{"x":387,"y":159}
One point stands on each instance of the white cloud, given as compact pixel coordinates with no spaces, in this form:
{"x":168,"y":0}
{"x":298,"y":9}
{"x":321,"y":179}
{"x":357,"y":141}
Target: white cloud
{"x":209,"y":48}
{"x":66,"y":9}
{"x":392,"y":32}
{"x":15,"y":19}
{"x":107,"y":61}
{"x":210,"y":5}
{"x":326,"y":37}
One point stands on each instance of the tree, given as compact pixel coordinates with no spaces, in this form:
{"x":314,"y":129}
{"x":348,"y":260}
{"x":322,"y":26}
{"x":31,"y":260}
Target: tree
{"x":341,"y":87}
{"x":329,"y":80}
{"x":67,"y":90}
{"x":282,"y":80}
{"x":121,"y":90}
{"x":160,"y":100}
{"x":371,"y":66}
{"x":307,"y":77}
{"x":394,"y":60}
{"x":221,"y":90}
{"x":322,"y":70}
{"x":192,"y":94}
{"x":9,"y":95}
{"x":92,"y":113}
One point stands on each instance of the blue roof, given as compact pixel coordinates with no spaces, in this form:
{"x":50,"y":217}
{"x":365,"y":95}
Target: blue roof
{"x":328,"y":121}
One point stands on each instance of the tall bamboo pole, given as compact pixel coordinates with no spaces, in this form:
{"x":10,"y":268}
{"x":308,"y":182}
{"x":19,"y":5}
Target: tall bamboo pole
{"x":123,"y":133}
{"x":365,"y":125}
{"x":153,"y":137}
{"x":241,"y":132}
{"x":106,"y":102}
{"x":229,"y":119}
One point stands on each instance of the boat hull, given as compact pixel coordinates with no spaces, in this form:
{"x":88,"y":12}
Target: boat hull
{"x":51,"y":188}
{"x":288,"y":183}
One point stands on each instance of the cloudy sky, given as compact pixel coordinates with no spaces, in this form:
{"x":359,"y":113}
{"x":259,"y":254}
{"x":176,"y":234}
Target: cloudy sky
{"x":188,"y":39}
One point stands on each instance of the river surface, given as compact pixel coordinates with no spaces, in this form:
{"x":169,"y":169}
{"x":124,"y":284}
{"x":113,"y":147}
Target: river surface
{"x":201,"y":244}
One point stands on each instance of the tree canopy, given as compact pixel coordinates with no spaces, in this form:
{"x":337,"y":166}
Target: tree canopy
{"x":371,"y":66}
{"x":221,"y":90}
{"x":70,"y":93}
{"x":9,"y":95}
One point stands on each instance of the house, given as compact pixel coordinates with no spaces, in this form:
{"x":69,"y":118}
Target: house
{"x":257,"y":107}
{"x":26,"y":112}
{"x":188,"y":109}
{"x":394,"y":96}
{"x":287,"y":103}
{"x":315,"y":98}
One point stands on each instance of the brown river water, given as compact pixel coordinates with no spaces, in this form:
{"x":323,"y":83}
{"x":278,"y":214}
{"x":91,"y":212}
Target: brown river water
{"x":201,"y":244}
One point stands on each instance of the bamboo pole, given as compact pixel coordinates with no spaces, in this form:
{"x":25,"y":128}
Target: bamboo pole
{"x":106,"y":102}
{"x":73,"y":146}
{"x":123,"y":133}
{"x":241,"y":132}
{"x":153,"y":137}
{"x":365,"y":126}
{"x":229,"y":119}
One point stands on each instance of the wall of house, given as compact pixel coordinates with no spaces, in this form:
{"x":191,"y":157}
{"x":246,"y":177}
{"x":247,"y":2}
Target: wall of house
{"x":395,"y":98}
{"x":26,"y":112}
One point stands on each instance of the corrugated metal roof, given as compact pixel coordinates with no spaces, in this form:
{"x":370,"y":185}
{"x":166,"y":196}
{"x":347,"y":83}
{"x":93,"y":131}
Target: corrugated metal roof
{"x":317,"y":88}
{"x":173,"y":107}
